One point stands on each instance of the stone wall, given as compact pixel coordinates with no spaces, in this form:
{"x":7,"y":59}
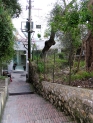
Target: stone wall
{"x":72,"y":100}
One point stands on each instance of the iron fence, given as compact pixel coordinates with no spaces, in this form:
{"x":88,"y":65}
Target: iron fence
{"x":51,"y":67}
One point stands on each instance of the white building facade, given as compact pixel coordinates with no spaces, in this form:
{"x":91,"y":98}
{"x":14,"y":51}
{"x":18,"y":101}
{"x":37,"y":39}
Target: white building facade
{"x":19,"y":61}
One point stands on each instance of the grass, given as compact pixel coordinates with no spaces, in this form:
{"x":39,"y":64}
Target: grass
{"x":81,"y":75}
{"x":82,"y":64}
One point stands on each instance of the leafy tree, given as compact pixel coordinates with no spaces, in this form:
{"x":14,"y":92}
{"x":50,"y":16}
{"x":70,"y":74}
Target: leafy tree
{"x":8,"y":9}
{"x":6,"y":36}
{"x":12,"y":6}
{"x":67,"y":20}
{"x":53,"y":30}
{"x":55,"y":22}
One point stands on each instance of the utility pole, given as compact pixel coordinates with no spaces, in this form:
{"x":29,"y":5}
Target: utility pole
{"x":29,"y":39}
{"x":29,"y":31}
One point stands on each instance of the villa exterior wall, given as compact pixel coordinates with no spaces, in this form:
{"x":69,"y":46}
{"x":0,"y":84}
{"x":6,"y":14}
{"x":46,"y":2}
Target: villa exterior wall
{"x":19,"y":48}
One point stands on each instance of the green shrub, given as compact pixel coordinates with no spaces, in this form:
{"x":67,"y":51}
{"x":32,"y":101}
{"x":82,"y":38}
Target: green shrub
{"x":2,"y":77}
{"x":61,"y":55}
{"x":76,"y":77}
{"x":91,"y":74}
{"x":40,"y":67}
{"x":82,"y":63}
{"x":39,"y":35}
{"x":81,"y":75}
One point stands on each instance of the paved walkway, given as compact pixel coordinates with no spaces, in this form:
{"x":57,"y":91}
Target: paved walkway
{"x":29,"y":108}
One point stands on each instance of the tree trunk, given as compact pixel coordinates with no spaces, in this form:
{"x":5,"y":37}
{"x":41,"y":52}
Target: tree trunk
{"x":89,"y":44}
{"x":0,"y":70}
{"x":79,"y":58}
{"x":48,"y":43}
{"x":89,"y":53}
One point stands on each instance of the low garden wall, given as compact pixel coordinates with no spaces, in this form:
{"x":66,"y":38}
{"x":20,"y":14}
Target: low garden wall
{"x":72,"y":100}
{"x":3,"y":94}
{"x":77,"y":102}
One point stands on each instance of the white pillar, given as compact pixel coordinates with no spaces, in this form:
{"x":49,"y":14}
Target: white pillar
{"x":26,"y":61}
{"x":10,"y":66}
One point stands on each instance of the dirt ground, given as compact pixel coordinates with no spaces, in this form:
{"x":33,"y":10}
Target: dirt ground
{"x":87,"y":83}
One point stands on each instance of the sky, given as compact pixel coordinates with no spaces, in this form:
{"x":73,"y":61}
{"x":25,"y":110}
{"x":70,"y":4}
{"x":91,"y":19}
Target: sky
{"x":39,"y":13}
{"x":38,"y":16}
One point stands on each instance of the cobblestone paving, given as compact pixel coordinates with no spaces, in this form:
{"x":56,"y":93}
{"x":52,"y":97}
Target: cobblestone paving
{"x":30,"y":108}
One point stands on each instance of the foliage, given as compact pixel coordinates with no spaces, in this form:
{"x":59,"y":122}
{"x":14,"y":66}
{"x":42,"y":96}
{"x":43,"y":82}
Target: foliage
{"x":86,"y":14}
{"x":73,"y":18}
{"x":55,"y":21}
{"x":2,"y":77}
{"x":68,"y":21}
{"x":40,"y":67}
{"x":12,"y":6}
{"x":81,"y":75}
{"x":61,"y":69}
{"x":82,"y":64}
{"x":84,"y":17}
{"x":47,"y":33}
{"x":6,"y":36}
{"x":39,"y":35}
{"x":8,"y":9}
{"x":61,"y":55}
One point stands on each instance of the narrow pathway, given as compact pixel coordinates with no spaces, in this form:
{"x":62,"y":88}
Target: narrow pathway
{"x":29,"y":108}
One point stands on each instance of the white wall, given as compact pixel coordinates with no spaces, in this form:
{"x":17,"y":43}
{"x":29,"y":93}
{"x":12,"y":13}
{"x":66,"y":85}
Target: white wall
{"x":18,"y":46}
